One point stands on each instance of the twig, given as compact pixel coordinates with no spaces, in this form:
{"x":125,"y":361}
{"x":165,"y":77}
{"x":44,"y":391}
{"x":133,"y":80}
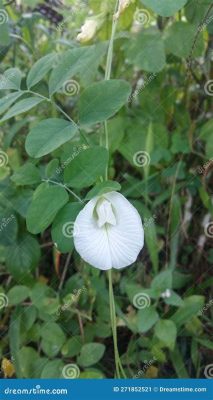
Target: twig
{"x":63,"y":276}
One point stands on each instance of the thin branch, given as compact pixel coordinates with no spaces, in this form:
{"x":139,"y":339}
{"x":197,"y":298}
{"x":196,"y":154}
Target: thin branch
{"x":63,"y":276}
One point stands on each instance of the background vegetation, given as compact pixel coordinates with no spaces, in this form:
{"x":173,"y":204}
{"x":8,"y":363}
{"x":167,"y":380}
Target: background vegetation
{"x":54,"y":308}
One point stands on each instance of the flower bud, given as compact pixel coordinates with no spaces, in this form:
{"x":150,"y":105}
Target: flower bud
{"x":89,"y":28}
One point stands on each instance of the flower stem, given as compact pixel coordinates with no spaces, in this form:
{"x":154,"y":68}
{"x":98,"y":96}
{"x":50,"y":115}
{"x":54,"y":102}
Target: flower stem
{"x":118,"y":365}
{"x":108,"y":72}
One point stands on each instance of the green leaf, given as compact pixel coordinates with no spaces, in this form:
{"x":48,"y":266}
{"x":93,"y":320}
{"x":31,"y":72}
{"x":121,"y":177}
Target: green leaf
{"x":28,"y":356}
{"x":23,"y":256}
{"x":176,"y":43}
{"x":102,"y":100}
{"x":53,"y":338}
{"x":191,"y":307}
{"x":48,"y":135}
{"x":47,"y":201}
{"x":166,"y":331}
{"x":14,"y":338}
{"x":90,"y":354}
{"x":87,"y":167}
{"x":150,"y":232}
{"x":17,"y":294}
{"x":8,"y":100}
{"x":166,"y":8}
{"x":27,"y":174}
{"x":22,"y":106}
{"x":28,"y":316}
{"x":40,"y":69}
{"x":62,"y":229}
{"x":146,"y":318}
{"x":44,"y":298}
{"x":11,"y":79}
{"x":147,"y":51}
{"x":174,"y":300}
{"x":73,"y":62}
{"x":162,"y":281}
{"x":209,"y":146}
{"x":72,"y":347}
{"x":52,"y":370}
{"x":8,"y":227}
{"x":178,"y":363}
{"x":206,"y":343}
{"x":102,"y":188}
{"x":92,"y":374}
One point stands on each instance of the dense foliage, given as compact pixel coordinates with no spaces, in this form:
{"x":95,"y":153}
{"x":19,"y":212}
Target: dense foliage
{"x":55,"y":101}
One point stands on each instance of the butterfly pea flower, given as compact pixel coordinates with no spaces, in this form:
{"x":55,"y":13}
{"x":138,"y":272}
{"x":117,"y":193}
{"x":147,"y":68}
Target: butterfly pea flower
{"x":108,"y":232}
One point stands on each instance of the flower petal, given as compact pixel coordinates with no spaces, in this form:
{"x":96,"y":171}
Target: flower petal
{"x":109,"y":246}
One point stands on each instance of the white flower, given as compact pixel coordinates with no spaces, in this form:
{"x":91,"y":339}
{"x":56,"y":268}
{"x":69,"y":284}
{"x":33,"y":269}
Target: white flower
{"x":108,"y":232}
{"x":88,"y":30}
